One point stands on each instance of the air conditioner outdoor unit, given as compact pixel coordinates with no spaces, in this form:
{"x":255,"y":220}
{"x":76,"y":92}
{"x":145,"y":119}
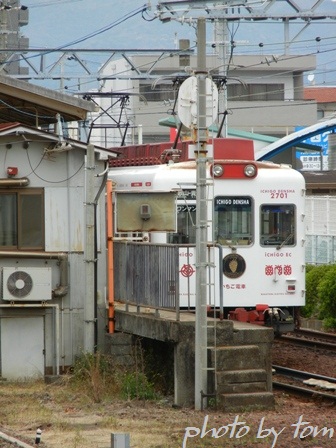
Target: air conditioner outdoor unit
{"x":26,"y":284}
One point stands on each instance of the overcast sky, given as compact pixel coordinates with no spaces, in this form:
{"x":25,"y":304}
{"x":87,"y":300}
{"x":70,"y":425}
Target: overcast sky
{"x":118,"y":24}
{"x":55,"y":23}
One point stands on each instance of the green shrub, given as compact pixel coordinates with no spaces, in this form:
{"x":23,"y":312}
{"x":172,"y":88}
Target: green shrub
{"x":135,"y":385}
{"x":314,"y":275}
{"x":97,"y":378}
{"x":321,"y":294}
{"x":327,"y":295}
{"x":329,"y":323}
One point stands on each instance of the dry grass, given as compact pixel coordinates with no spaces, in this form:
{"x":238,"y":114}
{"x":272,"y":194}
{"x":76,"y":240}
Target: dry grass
{"x":70,"y":417}
{"x":81,"y":410}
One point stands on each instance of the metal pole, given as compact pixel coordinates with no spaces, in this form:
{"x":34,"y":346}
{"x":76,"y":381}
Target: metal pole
{"x":201,"y":222}
{"x":221,"y":39}
{"x":3,"y":31}
{"x":89,"y":254}
{"x":110,"y":257}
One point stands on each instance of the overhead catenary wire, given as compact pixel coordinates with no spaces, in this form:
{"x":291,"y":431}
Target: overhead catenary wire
{"x":43,"y":4}
{"x":95,"y":33}
{"x":140,"y":10}
{"x":233,"y":33}
{"x":317,"y":52}
{"x":280,"y":58}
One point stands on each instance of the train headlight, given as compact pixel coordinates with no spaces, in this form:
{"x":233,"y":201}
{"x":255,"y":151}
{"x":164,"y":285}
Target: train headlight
{"x":250,"y":170}
{"x":218,"y":170}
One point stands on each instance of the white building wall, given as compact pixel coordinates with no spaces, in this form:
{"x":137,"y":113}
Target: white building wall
{"x":321,"y":215}
{"x":62,"y":176}
{"x":320,"y":229}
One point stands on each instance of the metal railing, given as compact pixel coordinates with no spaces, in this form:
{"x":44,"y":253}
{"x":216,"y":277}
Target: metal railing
{"x":147,"y":275}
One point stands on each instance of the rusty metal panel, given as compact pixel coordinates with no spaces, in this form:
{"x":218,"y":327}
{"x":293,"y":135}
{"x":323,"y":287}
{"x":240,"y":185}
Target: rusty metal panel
{"x":146,"y":212}
{"x":146,"y":274}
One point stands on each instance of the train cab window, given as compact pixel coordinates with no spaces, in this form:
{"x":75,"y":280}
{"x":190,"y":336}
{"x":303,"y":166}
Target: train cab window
{"x":233,"y":218}
{"x":186,"y":230}
{"x":277,"y":225}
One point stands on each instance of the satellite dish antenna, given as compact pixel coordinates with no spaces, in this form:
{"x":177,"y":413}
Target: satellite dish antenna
{"x":187,"y":102}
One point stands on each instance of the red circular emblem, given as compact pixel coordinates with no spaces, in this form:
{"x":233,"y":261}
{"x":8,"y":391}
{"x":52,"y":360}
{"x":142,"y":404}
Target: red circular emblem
{"x":187,"y":270}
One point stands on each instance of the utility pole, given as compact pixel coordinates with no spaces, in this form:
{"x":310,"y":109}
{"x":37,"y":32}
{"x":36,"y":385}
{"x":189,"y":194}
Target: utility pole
{"x":89,"y":253}
{"x":3,"y":30}
{"x":201,"y":376}
{"x":221,"y":41}
{"x":12,"y":17}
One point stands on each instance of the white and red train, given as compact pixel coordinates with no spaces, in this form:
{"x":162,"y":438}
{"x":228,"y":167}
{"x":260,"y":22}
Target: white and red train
{"x":255,"y":228}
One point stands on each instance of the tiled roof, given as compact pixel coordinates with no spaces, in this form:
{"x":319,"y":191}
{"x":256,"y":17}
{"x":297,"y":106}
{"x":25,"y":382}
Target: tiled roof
{"x":320,"y":94}
{"x":320,"y":179}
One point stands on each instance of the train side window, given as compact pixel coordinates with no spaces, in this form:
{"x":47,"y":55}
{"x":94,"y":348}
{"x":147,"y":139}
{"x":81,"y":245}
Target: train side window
{"x":277,"y":225}
{"x":233,"y":220}
{"x":186,"y":230}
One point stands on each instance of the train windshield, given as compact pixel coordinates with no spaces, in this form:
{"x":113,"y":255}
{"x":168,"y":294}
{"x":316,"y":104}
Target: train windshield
{"x":233,"y":218}
{"x":277,"y":226}
{"x":186,"y":225}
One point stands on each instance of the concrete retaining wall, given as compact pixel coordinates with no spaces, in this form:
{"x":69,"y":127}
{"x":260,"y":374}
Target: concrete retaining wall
{"x":240,"y":356}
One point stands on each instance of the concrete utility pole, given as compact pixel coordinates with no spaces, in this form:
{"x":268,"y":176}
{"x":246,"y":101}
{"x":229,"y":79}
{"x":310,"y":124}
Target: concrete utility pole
{"x":3,"y":30}
{"x":89,"y":253}
{"x":13,"y":16}
{"x":221,"y":41}
{"x":201,"y":377}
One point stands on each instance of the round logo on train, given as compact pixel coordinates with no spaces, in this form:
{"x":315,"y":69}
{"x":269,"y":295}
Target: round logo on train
{"x":233,"y":265}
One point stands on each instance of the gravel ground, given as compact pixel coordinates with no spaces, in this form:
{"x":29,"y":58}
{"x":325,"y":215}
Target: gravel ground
{"x":295,"y":422}
{"x":293,"y":356}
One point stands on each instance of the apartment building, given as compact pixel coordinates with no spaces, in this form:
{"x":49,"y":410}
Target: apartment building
{"x":13,"y":16}
{"x":264,"y":94}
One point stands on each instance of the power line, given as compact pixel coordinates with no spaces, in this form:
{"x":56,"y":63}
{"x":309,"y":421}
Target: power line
{"x":51,"y":3}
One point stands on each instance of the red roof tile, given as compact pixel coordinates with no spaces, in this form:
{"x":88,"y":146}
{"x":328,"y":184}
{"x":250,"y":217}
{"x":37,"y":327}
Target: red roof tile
{"x":320,"y":94}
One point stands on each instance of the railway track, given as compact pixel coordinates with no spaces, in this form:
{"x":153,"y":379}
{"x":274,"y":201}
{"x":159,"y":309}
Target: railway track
{"x":304,"y":383}
{"x":311,"y":338}
{"x":314,"y":334}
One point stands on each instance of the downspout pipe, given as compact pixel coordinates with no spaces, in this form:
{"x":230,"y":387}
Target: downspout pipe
{"x":63,"y":287}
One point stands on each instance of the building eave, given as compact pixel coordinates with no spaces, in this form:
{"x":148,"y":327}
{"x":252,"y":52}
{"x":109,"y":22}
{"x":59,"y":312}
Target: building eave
{"x":27,"y":133}
{"x":34,"y":105}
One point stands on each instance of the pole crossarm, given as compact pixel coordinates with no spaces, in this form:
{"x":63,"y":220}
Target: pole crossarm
{"x":235,"y":10}
{"x":41,"y":68}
